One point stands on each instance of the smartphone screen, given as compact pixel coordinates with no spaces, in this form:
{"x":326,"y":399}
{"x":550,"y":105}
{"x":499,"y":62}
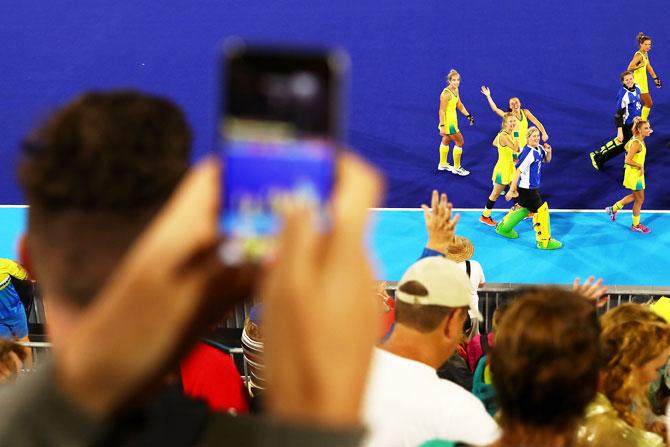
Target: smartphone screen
{"x":279,"y":130}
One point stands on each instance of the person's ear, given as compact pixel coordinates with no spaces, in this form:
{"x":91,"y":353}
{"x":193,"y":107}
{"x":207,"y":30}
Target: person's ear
{"x":24,"y":255}
{"x":453,"y":325}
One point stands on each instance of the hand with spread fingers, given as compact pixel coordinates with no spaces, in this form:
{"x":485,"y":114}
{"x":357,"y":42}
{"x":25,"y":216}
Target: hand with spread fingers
{"x":320,"y":306}
{"x":440,"y":224}
{"x":592,"y":291}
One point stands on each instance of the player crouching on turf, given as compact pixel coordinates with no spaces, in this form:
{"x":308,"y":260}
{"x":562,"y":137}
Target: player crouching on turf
{"x":526,"y":186}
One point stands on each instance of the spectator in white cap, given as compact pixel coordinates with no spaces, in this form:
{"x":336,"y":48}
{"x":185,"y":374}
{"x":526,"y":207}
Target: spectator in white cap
{"x":406,"y":403}
{"x":443,"y":242}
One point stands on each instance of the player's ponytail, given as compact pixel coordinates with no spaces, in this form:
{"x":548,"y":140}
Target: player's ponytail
{"x":642,"y":37}
{"x":637,"y":124}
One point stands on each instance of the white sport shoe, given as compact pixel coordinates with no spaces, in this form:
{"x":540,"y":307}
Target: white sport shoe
{"x":460,"y":171}
{"x":447,"y":167}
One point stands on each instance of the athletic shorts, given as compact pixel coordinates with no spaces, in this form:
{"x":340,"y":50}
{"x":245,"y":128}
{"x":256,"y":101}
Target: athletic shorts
{"x":529,"y":199}
{"x":14,"y":326}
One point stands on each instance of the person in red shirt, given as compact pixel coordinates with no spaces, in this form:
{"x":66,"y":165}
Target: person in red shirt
{"x":210,"y":374}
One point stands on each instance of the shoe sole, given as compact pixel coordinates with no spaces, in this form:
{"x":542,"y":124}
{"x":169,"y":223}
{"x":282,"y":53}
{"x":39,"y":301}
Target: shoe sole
{"x":554,"y":247}
{"x":450,"y":169}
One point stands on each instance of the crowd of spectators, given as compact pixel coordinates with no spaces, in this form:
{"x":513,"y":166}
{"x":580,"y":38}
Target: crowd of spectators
{"x":123,"y":237}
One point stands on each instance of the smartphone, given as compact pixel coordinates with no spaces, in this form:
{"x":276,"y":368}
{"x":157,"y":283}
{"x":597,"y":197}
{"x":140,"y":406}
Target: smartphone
{"x":279,"y":129}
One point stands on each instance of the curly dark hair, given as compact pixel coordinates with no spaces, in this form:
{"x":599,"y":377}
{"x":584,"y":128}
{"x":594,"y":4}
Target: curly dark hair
{"x":94,"y":174}
{"x":545,"y":360}
{"x":106,"y":151}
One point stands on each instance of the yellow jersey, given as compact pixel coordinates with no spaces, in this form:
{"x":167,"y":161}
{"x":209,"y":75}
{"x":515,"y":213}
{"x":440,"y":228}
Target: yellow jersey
{"x":521,"y":130}
{"x":632,"y":179}
{"x":640,"y":73}
{"x":10,"y":268}
{"x":449,"y":118}
{"x":504,"y":168}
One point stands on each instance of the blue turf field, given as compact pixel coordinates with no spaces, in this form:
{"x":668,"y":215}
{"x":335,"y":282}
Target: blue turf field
{"x":593,"y":245}
{"x":12,"y":225}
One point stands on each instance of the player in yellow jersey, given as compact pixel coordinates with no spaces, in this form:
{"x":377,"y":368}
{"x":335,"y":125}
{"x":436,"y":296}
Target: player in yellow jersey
{"x":640,"y":66}
{"x":504,"y":169}
{"x":448,"y":127}
{"x":522,"y":116}
{"x":633,"y":178}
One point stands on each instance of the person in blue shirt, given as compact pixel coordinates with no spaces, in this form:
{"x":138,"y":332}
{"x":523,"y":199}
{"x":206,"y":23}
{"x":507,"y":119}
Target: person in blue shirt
{"x":13,"y":322}
{"x":525,"y":186}
{"x":629,"y":106}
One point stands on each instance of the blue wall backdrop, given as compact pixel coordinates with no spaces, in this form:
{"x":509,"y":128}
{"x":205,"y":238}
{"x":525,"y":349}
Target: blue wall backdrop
{"x":561,"y":58}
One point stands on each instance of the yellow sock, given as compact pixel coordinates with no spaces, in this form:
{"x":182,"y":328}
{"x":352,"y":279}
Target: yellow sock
{"x":645,"y":113}
{"x":617,"y":206}
{"x":636,"y":220}
{"x":458,"y":151}
{"x":444,"y":151}
{"x":486,"y":212}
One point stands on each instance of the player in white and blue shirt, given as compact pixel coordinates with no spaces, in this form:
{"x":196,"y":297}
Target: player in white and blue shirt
{"x":530,"y":167}
{"x":525,"y":185}
{"x":628,"y":106}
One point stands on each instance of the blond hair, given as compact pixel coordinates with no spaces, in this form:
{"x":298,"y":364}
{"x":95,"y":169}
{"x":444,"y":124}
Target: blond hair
{"x":451,"y":74}
{"x":632,"y":335}
{"x":532,"y":130}
{"x":637,"y":124}
{"x":505,"y":116}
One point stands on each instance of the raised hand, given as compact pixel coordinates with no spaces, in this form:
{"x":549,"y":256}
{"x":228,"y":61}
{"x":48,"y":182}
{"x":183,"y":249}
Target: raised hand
{"x":440,"y":225}
{"x":592,"y":291}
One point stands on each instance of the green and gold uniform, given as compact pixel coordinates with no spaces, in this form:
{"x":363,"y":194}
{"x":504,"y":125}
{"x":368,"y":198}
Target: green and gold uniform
{"x":631,"y":177}
{"x":520,"y":132}
{"x":640,"y":73}
{"x":504,"y":168}
{"x":450,"y":119}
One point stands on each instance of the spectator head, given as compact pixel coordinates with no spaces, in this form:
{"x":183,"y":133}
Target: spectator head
{"x":94,"y":174}
{"x":635,"y":344}
{"x":434,"y":295}
{"x":460,"y":249}
{"x":545,"y":363}
{"x":497,"y":315}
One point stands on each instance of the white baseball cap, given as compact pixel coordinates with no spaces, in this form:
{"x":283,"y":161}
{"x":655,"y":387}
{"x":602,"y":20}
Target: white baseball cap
{"x":447,"y":284}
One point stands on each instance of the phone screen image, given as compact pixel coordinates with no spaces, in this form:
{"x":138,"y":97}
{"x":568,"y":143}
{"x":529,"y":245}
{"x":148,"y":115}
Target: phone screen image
{"x":279,"y":133}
